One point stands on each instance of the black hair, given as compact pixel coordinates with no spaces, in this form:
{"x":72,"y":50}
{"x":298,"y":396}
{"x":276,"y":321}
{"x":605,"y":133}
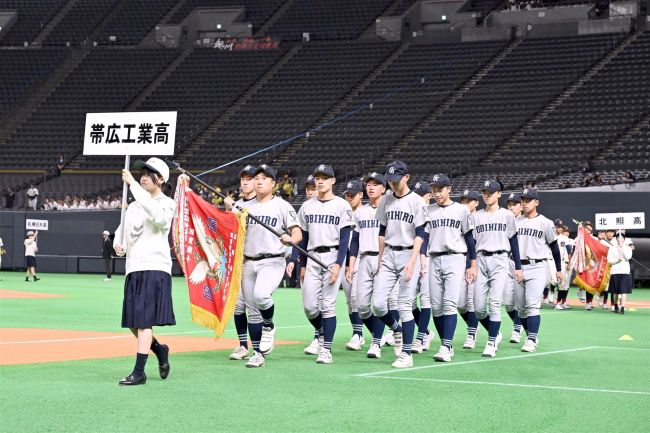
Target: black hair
{"x":165,"y":187}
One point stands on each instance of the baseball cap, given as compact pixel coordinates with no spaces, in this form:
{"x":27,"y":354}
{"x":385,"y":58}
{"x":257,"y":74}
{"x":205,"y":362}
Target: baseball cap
{"x":106,"y":232}
{"x":440,"y":180}
{"x":377,"y":177}
{"x":353,"y":187}
{"x":324,"y":169}
{"x":472,"y":195}
{"x":530,"y":193}
{"x":491,"y":186}
{"x":587,"y":223}
{"x":422,"y":188}
{"x":30,"y":233}
{"x":155,"y":165}
{"x":267,"y":170}
{"x":396,"y":170}
{"x":310,"y":180}
{"x":249,"y":170}
{"x":558,"y":223}
{"x":514,"y":197}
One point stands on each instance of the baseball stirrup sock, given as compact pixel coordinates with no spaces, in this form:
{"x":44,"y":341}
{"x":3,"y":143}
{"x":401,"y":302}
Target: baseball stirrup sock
{"x":423,"y":322}
{"x":140,"y":362}
{"x":439,"y":323}
{"x":329,"y":327}
{"x":241,"y":325}
{"x":533,"y":327}
{"x":369,"y":322}
{"x":494,"y":330}
{"x":395,"y":314}
{"x":486,"y":323}
{"x":357,"y":324}
{"x":449,"y":328}
{"x":514,"y":316}
{"x":465,"y":317}
{"x":378,"y":327}
{"x":317,"y":323}
{"x":472,"y":321}
{"x":267,"y":315}
{"x":390,"y":321}
{"x":524,"y":323}
{"x":408,"y":329}
{"x":416,"y":314}
{"x":255,"y":330}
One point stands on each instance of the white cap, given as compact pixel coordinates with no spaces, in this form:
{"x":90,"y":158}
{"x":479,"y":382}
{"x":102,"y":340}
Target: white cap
{"x":106,"y":232}
{"x":30,"y":233}
{"x":154,"y":164}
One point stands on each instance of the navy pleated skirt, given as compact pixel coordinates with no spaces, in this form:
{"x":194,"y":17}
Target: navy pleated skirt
{"x":147,"y":300}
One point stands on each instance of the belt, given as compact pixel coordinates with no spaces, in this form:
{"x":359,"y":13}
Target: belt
{"x":446,"y":253}
{"x":399,"y":248}
{"x":491,"y":253}
{"x":263,"y":256}
{"x":532,"y":261}
{"x":370,"y":253}
{"x":324,"y":249}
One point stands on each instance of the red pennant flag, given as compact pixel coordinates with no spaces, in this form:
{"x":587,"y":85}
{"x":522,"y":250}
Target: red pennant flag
{"x":589,"y":260}
{"x":209,"y":245}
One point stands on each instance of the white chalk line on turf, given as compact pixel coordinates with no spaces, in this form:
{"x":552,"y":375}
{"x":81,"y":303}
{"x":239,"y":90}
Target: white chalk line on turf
{"x":513,"y":385}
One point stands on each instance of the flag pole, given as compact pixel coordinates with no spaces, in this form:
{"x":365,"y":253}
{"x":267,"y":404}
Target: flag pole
{"x":125,"y":192}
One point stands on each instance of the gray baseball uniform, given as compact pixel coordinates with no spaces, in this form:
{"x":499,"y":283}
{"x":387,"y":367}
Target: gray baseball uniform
{"x":562,"y":243}
{"x":367,"y":225}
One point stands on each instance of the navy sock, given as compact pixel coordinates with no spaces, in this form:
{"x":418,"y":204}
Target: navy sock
{"x":357,"y":324}
{"x":378,"y":327}
{"x":486,"y":323}
{"x":449,"y":328}
{"x":524,"y":323}
{"x":516,"y":321}
{"x":267,"y":315}
{"x":140,"y":362}
{"x":465,"y":317}
{"x":395,"y":314}
{"x":329,"y":327}
{"x":439,"y":323}
{"x":255,"y":331}
{"x":416,"y":314}
{"x":317,"y":323}
{"x":546,"y":290}
{"x":390,"y":321}
{"x":241,"y":323}
{"x":369,"y":323}
{"x":533,"y":327}
{"x":423,"y":322}
{"x":408,"y":329}
{"x":472,"y":323}
{"x":157,"y":349}
{"x":494,"y":330}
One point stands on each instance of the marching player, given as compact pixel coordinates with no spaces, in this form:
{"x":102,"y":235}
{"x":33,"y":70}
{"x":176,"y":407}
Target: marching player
{"x":402,"y":233}
{"x":466,"y":297}
{"x":451,"y":243}
{"x":496,"y":236}
{"x":326,"y":223}
{"x":536,"y":234}
{"x":563,"y":286}
{"x":264,"y":260}
{"x":514,"y":206}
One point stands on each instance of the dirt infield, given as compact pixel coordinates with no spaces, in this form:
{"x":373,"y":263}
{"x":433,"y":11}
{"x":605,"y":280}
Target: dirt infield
{"x":13,"y":294}
{"x":30,"y":346}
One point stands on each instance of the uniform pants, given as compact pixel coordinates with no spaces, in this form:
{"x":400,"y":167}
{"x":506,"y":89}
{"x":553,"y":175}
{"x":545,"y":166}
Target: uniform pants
{"x":350,"y":290}
{"x":509,"y":291}
{"x":391,"y":272}
{"x":446,"y":276}
{"x":318,"y":295}
{"x":529,"y":293}
{"x":491,"y":281}
{"x":259,"y":281}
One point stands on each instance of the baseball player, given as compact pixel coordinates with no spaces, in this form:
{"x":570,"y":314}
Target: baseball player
{"x":326,"y":224}
{"x":402,"y":234}
{"x":422,"y":315}
{"x":353,"y":194}
{"x":466,"y":297}
{"x":247,"y":186}
{"x":563,"y":244}
{"x":364,"y":252}
{"x":496,"y":236}
{"x":264,"y":260}
{"x":536,"y":234}
{"x":450,"y":241}
{"x":514,"y":206}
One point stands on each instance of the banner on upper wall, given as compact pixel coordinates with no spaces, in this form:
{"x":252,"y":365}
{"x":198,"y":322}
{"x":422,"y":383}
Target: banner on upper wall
{"x":37,"y":225}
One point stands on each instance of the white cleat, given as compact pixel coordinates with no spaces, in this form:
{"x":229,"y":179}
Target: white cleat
{"x":417,"y":347}
{"x":388,"y":338}
{"x":490,"y":350}
{"x":529,"y":346}
{"x":267,"y":341}
{"x":404,"y":360}
{"x":256,"y":361}
{"x":515,"y":337}
{"x":470,"y":342}
{"x":239,"y":354}
{"x":428,"y":338}
{"x":324,"y":356}
{"x":313,"y":347}
{"x":397,"y":347}
{"x":499,"y":339}
{"x":354,"y":343}
{"x":444,"y":354}
{"x":566,"y":306}
{"x":107,"y":279}
{"x":559,"y":307}
{"x":374,"y":351}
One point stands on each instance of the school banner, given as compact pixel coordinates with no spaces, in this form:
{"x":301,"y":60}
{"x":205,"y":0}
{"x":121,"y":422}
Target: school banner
{"x":589,"y":260}
{"x":209,"y":245}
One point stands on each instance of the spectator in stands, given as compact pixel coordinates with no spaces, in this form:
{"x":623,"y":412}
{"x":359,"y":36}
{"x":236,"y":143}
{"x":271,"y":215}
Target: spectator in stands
{"x":628,"y":177}
{"x":585,"y":166}
{"x":598,"y":180}
{"x":32,"y":197}
{"x":10,"y":197}
{"x":107,"y":254}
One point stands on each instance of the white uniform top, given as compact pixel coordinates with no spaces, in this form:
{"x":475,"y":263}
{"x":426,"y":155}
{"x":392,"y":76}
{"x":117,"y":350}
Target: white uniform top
{"x":562,"y":243}
{"x":534,"y":235}
{"x":619,"y":258}
{"x":493,"y":230}
{"x":276,"y":213}
{"x":448,"y":227}
{"x":146,"y":228}
{"x":32,"y":192}
{"x":244,"y":204}
{"x":401,"y":216}
{"x":30,"y":247}
{"x":367,"y":225}
{"x":323,"y":220}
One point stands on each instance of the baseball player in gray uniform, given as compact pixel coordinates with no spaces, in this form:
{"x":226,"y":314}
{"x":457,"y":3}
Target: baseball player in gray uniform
{"x":514,"y":206}
{"x":264,"y":260}
{"x":536,"y":235}
{"x":563,"y":244}
{"x":451,"y":243}
{"x":247,"y":186}
{"x":466,"y":298}
{"x":326,"y":224}
{"x":496,"y":236}
{"x":402,"y":233}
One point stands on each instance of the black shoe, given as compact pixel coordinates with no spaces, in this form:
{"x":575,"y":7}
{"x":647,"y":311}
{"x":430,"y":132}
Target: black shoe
{"x":27,"y":279}
{"x":36,"y":278}
{"x":164,"y":368}
{"x":616,"y":309}
{"x":622,"y":310}
{"x":134,"y":380}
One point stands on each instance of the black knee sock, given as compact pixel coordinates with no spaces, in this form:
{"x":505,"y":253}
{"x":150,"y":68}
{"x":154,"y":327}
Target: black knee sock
{"x":140,"y":362}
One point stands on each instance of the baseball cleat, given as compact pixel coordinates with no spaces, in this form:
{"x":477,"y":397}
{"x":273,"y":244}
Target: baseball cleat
{"x":565,"y":306}
{"x":529,"y":346}
{"x":470,"y":342}
{"x":515,"y":337}
{"x":374,"y":351}
{"x":354,"y":343}
{"x":404,"y":360}
{"x":256,"y":361}
{"x":417,"y":347}
{"x":268,"y":340}
{"x":239,"y":354}
{"x":559,"y":307}
{"x":397,"y":347}
{"x":490,"y":350}
{"x":444,"y":354}
{"x":324,"y":356}
{"x":313,"y":347}
{"x":428,"y":338}
{"x":498,"y":341}
{"x":388,"y":338}
{"x":588,"y":306}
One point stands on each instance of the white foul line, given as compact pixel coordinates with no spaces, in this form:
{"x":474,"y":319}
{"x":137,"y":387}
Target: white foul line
{"x":514,"y":385}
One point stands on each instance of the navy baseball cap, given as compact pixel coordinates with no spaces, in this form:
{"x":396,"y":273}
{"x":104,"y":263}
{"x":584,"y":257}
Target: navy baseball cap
{"x":324,"y":169}
{"x":514,"y":197}
{"x":530,"y":193}
{"x":587,"y":223}
{"x":377,"y":177}
{"x":558,"y":223}
{"x":249,"y":170}
{"x":472,"y":195}
{"x":421,"y":188}
{"x":440,"y":180}
{"x":310,"y":180}
{"x":353,"y":187}
{"x":396,"y":170}
{"x":267,"y":170}
{"x":491,"y":186}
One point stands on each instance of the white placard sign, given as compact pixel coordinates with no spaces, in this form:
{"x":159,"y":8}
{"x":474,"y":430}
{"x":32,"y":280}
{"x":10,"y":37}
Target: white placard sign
{"x":132,"y":133}
{"x":36,"y":224}
{"x":616,"y":221}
